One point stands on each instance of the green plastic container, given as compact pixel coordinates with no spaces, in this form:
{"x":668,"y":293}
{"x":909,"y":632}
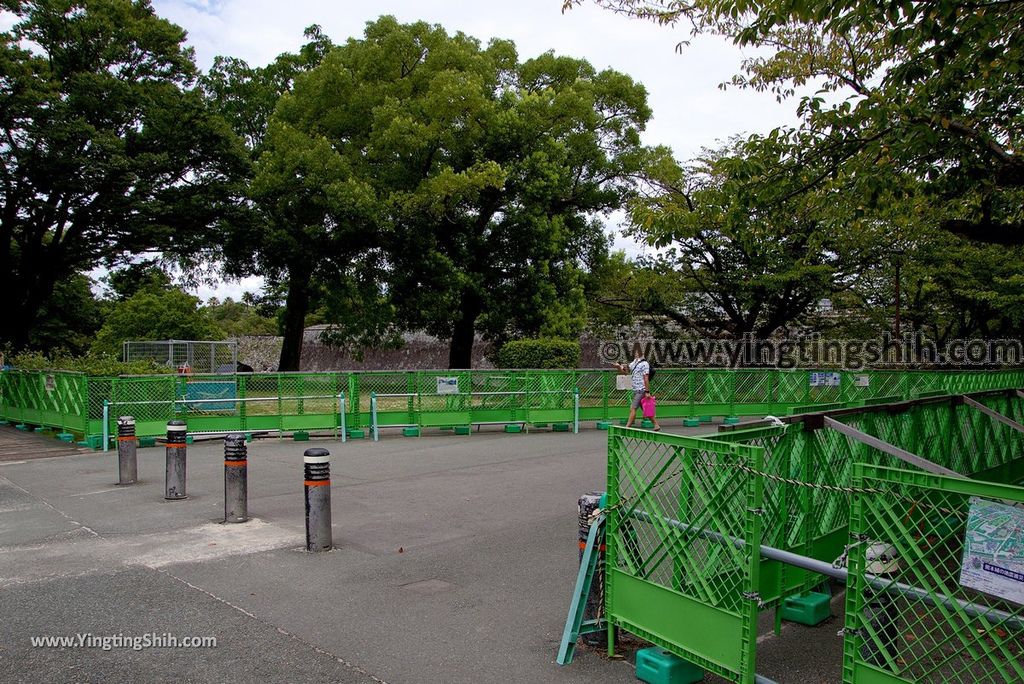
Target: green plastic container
{"x":513,"y":428}
{"x":147,"y":441}
{"x":807,"y":609}
{"x":603,"y":424}
{"x":356,"y":433}
{"x":462,"y":429}
{"x":300,"y":436}
{"x":410,"y":432}
{"x":657,"y":666}
{"x":560,"y":427}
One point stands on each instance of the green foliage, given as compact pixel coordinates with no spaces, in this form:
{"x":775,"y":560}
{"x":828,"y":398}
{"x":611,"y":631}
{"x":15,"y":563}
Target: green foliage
{"x":100,"y":125}
{"x":154,"y":315}
{"x":68,"y":322}
{"x":237,"y":319}
{"x":539,"y":353}
{"x":930,"y":89}
{"x":101,"y":365}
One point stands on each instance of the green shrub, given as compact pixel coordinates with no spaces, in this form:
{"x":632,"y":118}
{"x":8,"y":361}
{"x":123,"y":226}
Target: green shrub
{"x":93,"y":365}
{"x":539,"y":353}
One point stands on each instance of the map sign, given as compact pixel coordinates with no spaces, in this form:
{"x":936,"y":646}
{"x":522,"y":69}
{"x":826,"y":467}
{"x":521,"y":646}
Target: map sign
{"x":825,"y":379}
{"x":994,"y":550}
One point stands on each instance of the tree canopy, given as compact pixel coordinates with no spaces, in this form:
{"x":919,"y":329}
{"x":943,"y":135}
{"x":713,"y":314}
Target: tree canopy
{"x":106,"y":148}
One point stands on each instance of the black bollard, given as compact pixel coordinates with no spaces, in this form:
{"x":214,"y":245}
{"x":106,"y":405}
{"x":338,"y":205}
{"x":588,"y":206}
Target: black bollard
{"x":317,"y":469}
{"x":586,"y":505}
{"x":236,"y":479}
{"x":174,"y":480}
{"x":127,"y":451}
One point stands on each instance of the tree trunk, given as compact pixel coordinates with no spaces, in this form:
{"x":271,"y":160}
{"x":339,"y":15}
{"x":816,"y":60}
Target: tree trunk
{"x":296,"y":308}
{"x":460,"y":353}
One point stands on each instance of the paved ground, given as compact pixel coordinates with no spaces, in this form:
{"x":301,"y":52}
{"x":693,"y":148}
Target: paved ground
{"x":455,"y":562}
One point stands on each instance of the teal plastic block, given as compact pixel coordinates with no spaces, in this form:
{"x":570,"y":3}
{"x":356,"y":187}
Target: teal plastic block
{"x":189,"y":439}
{"x":647,"y":423}
{"x":4,"y":422}
{"x":807,"y":609}
{"x":410,"y":432}
{"x":603,"y":424}
{"x":92,"y":441}
{"x":147,"y":441}
{"x":65,"y":437}
{"x":731,"y":420}
{"x":560,"y":427}
{"x":41,"y":429}
{"x":23,"y":427}
{"x":462,"y":429}
{"x":657,"y":666}
{"x":300,"y":436}
{"x":356,"y":433}
{"x":513,"y":428}
{"x":692,"y":421}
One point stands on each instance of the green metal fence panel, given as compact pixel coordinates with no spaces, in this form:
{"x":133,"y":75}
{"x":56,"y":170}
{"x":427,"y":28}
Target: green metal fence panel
{"x":675,"y":576}
{"x":941,"y":607}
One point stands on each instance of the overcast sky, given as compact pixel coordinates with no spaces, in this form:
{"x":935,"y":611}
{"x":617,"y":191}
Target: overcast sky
{"x":690,"y":111}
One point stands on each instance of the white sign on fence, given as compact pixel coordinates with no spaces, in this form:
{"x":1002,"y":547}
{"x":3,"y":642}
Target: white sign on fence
{"x":994,"y":550}
{"x":447,"y":385}
{"x":825,"y":379}
{"x":861,"y":380}
{"x":50,"y":383}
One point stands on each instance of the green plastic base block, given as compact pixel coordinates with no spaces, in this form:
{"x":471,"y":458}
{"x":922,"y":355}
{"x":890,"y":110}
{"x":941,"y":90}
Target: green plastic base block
{"x":147,"y":441}
{"x":691,"y":422}
{"x":22,"y":427}
{"x":513,"y":428}
{"x":4,"y":422}
{"x":646,"y":423}
{"x":462,"y":429}
{"x":560,"y":427}
{"x":65,"y":437}
{"x":300,"y":436}
{"x":92,"y":441}
{"x":356,"y":433}
{"x":41,"y":429}
{"x":622,"y":421}
{"x":603,"y":424}
{"x":541,"y":425}
{"x":248,"y":437}
{"x":189,"y":439}
{"x":807,"y":609}
{"x":410,"y":432}
{"x":657,"y":666}
{"x":730,"y":420}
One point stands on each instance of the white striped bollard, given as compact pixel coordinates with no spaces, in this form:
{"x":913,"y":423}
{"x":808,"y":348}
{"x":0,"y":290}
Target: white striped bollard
{"x":174,"y":479}
{"x":316,"y":465}
{"x":236,"y":479}
{"x":127,"y":451}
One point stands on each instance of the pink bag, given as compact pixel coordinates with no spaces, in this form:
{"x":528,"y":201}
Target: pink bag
{"x":647,"y":404}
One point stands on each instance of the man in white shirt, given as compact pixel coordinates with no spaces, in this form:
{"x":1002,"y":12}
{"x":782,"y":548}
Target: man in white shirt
{"x":640,"y":371}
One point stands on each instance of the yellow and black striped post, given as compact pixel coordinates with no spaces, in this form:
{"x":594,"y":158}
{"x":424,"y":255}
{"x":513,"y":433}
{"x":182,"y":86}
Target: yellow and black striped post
{"x":127,"y":451}
{"x":236,"y":479}
{"x":317,"y":470}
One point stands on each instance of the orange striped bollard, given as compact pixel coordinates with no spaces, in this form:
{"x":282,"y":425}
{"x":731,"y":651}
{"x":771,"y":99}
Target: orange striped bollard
{"x":174,"y":478}
{"x":127,"y":451}
{"x":317,"y":470}
{"x":236,"y":479}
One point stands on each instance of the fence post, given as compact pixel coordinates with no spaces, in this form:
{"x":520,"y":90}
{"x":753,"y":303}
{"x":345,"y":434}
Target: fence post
{"x":127,"y":455}
{"x":174,"y":478}
{"x":106,"y":425}
{"x":236,"y":479}
{"x":576,"y":410}
{"x":341,"y":416}
{"x":316,"y":465}
{"x":373,"y":416}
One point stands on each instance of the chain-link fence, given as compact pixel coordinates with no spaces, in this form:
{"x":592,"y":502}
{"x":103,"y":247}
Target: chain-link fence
{"x":188,"y":356}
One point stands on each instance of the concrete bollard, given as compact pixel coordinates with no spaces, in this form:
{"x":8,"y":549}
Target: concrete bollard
{"x":236,"y":479}
{"x":317,"y":469}
{"x":127,"y":451}
{"x":174,"y":480}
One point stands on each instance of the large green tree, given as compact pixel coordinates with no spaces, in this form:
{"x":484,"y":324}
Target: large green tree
{"x":106,"y":149}
{"x":930,"y":89}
